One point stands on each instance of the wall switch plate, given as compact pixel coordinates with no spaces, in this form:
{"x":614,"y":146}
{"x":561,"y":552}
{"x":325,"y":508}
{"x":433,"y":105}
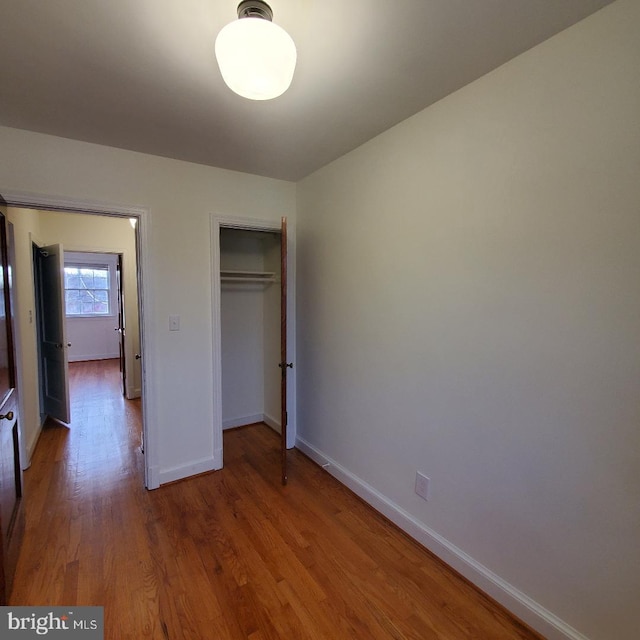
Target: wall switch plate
{"x":422,"y":485}
{"x":174,"y":323}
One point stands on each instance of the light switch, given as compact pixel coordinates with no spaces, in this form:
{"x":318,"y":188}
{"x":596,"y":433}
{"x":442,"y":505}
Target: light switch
{"x":174,"y":323}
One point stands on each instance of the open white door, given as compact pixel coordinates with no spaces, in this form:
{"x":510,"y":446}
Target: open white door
{"x":54,"y":353}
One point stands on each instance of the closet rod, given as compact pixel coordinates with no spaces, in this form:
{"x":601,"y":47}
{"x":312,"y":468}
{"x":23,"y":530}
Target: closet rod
{"x":268,"y":280}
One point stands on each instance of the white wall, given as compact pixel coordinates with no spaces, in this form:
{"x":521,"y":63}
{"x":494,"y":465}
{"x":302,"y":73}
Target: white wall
{"x":26,"y":347}
{"x":180,"y":198}
{"x":469,"y":306}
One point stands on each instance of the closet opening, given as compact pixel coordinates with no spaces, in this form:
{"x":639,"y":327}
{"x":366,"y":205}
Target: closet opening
{"x":251,"y":364}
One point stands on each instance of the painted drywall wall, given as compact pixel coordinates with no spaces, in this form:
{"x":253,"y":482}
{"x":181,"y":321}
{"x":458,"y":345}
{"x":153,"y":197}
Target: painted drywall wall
{"x":469,"y":305}
{"x":26,"y":230}
{"x":178,"y":199}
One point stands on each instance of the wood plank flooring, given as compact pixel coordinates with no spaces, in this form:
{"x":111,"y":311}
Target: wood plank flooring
{"x":227,"y":555}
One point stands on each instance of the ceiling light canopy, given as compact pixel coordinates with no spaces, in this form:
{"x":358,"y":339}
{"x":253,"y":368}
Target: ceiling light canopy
{"x":256,"y":57}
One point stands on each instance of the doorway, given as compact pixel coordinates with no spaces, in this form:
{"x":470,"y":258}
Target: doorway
{"x":133,"y":282}
{"x":248,"y":231}
{"x":79,"y":315}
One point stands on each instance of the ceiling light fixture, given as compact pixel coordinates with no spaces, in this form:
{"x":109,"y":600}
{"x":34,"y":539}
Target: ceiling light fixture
{"x":256,"y":57}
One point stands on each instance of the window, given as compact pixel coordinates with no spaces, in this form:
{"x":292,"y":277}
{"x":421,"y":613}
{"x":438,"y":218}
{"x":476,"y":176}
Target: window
{"x":87,"y":289}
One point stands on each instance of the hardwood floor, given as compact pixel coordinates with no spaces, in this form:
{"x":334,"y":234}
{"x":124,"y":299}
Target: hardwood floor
{"x":227,"y":555}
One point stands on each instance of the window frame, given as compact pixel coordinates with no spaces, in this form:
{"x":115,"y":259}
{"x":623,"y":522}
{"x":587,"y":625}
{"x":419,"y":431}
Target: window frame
{"x":93,"y":261}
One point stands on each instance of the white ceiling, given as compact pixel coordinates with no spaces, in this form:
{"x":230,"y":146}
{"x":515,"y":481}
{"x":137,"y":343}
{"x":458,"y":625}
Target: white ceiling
{"x":141,"y":74}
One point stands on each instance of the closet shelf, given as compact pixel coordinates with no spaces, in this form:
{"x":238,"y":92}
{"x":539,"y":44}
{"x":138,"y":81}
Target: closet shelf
{"x":247,"y":276}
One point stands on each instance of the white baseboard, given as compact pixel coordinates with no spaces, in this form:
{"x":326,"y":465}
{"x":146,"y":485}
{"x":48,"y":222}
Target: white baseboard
{"x":31,"y":447}
{"x":272,"y":422}
{"x":152,"y":481}
{"x":133,"y":393}
{"x":232,"y":423}
{"x":184,"y":471}
{"x":93,"y":356}
{"x":518,"y":603}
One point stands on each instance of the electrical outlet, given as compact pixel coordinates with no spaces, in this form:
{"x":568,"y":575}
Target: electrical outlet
{"x":422,"y":485}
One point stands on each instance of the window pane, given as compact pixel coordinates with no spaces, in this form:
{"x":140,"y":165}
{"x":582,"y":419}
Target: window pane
{"x":72,"y":302}
{"x":86,"y":280}
{"x":72,"y":281}
{"x":70,"y":277}
{"x":100,"y":281}
{"x":87,"y":289}
{"x":73,"y":308}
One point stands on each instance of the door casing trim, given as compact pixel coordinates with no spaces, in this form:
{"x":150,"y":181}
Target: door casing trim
{"x":250,"y":224}
{"x":49,"y":202}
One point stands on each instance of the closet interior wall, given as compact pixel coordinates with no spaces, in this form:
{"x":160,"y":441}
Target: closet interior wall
{"x":250,"y":327}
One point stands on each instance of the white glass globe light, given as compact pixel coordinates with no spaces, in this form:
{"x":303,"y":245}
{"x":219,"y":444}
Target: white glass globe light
{"x":256,"y":57}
